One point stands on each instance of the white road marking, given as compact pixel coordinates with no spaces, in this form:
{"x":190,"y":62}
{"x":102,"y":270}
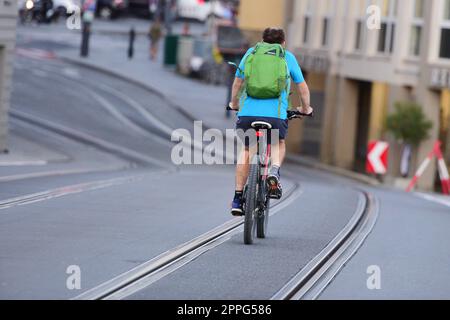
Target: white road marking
{"x":39,"y":73}
{"x":18,"y":163}
{"x":63,"y":191}
{"x":429,"y":197}
{"x":72,"y":73}
{"x":32,"y":175}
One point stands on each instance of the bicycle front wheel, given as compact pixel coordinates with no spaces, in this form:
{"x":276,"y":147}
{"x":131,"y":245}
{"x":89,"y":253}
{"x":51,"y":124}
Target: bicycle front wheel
{"x":250,"y":207}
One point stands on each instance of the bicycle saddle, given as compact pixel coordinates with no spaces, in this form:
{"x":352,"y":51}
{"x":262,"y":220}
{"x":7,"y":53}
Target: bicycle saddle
{"x":261,"y":125}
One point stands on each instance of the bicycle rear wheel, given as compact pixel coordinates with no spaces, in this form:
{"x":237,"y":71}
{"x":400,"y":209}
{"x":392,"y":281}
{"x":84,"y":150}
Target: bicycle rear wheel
{"x":262,"y":222}
{"x":250,"y":206}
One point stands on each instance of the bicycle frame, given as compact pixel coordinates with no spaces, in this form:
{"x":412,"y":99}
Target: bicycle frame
{"x":263,"y":163}
{"x":256,"y":196}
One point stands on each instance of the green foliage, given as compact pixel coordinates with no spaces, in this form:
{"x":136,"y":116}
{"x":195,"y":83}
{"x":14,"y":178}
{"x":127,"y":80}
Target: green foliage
{"x":409,"y":124}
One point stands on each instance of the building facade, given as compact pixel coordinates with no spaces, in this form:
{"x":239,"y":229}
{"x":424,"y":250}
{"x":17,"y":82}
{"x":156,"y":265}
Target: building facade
{"x":8,"y":15}
{"x":256,"y":15}
{"x":357,"y":72}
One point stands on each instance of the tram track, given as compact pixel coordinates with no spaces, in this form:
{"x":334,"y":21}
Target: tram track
{"x":151,"y":271}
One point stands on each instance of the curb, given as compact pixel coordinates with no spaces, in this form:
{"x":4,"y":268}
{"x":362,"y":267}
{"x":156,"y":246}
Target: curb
{"x":122,"y":33}
{"x":126,"y":32}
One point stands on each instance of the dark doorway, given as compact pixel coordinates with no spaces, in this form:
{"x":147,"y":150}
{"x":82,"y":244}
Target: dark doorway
{"x":362,"y":133}
{"x":312,"y":127}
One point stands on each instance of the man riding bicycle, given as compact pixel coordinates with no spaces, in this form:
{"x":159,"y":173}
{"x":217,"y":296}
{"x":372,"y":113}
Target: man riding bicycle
{"x":272,"y":108}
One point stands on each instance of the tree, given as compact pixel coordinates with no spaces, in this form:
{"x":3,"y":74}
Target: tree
{"x":409,"y":124}
{"x":410,"y":127}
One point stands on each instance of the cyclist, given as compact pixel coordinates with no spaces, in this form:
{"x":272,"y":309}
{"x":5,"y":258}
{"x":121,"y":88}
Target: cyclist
{"x":273,"y":111}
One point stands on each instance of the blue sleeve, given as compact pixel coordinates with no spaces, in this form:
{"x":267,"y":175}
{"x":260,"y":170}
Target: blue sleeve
{"x":294,"y":68}
{"x":240,"y":72}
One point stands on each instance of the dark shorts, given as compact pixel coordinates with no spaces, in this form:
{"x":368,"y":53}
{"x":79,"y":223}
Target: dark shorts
{"x":245,"y":124}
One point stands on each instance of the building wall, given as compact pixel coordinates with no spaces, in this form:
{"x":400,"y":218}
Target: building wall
{"x":256,"y":15}
{"x":391,"y":76}
{"x":8,"y":13}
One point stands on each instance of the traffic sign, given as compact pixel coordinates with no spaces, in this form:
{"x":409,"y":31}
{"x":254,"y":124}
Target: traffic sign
{"x":377,"y":157}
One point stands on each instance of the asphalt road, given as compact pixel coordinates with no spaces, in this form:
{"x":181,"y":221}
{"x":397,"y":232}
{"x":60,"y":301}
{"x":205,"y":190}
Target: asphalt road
{"x":107,"y":213}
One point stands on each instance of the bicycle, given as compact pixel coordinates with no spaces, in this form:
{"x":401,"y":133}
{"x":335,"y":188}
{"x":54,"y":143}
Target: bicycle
{"x":256,"y":193}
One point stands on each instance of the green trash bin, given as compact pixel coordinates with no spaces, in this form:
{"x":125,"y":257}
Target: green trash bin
{"x":170,"y":50}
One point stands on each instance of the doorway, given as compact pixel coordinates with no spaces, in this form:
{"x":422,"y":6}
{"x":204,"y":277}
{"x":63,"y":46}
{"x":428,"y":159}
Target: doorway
{"x":363,"y":122}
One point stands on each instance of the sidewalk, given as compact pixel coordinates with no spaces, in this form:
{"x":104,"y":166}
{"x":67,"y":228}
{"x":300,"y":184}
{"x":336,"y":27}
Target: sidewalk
{"x":24,"y":152}
{"x":122,"y":26}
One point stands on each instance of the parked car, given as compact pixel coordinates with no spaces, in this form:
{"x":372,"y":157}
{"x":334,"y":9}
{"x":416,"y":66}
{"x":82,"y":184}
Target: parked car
{"x":65,"y":7}
{"x":138,"y":7}
{"x":41,"y":11}
{"x":211,"y":54}
{"x":27,"y":11}
{"x":229,"y":39}
{"x":204,"y":64}
{"x":110,"y":9}
{"x":202,"y":10}
{"x":143,"y":8}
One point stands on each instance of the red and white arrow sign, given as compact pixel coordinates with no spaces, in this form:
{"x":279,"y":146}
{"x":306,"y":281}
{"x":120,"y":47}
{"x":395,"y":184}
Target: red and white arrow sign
{"x":377,"y":157}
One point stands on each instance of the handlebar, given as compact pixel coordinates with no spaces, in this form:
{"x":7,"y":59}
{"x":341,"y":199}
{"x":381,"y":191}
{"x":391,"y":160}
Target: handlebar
{"x":291,"y":114}
{"x":297,"y":114}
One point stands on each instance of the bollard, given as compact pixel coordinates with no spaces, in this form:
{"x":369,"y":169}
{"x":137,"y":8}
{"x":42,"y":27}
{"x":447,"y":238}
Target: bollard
{"x":131,"y":43}
{"x":85,"y":39}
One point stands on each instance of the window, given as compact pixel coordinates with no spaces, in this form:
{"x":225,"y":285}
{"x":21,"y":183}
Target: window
{"x":306,"y":30}
{"x":326,"y":21}
{"x":307,"y":21}
{"x":445,"y":44}
{"x":382,"y":37}
{"x":325,"y":25}
{"x":359,"y":34}
{"x":447,"y":10}
{"x":416,"y":28}
{"x":392,"y":37}
{"x":416,"y":35}
{"x":444,"y":51}
{"x":418,"y":9}
{"x":360,"y":26}
{"x":386,"y":37}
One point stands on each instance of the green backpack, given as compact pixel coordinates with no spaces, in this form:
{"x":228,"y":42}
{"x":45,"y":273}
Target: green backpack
{"x":266,"y":71}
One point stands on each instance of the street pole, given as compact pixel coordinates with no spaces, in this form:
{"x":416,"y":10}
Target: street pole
{"x":168,"y":16}
{"x":157,"y":14}
{"x":87,"y":18}
{"x":84,"y":52}
{"x":212,"y":18}
{"x":131,"y":43}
